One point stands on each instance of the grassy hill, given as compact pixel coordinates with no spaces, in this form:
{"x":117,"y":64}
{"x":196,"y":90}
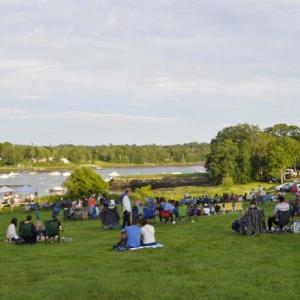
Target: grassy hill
{"x":200,"y":260}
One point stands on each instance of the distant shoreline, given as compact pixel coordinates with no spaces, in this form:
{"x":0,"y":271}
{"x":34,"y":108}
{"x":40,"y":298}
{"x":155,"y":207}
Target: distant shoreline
{"x":70,"y":167}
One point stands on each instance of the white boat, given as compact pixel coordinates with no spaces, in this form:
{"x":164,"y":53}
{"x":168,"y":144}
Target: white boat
{"x":32,"y":173}
{"x":66,"y":174}
{"x":12,"y":174}
{"x":57,"y":190}
{"x":114,"y":174}
{"x":55,"y":173}
{"x":4,"y":176}
{"x":176,"y":173}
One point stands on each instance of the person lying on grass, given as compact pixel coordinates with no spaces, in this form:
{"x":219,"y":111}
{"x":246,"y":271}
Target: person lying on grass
{"x":147,"y":233}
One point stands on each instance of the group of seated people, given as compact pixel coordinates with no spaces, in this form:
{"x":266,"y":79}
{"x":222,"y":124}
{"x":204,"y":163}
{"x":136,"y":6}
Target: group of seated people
{"x":140,"y":233}
{"x":30,"y":232}
{"x":253,"y":221}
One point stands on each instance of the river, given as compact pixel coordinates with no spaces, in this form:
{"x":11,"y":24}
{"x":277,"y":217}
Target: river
{"x":42,"y":181}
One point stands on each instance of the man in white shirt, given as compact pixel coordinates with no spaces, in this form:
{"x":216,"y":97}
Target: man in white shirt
{"x":126,"y":208}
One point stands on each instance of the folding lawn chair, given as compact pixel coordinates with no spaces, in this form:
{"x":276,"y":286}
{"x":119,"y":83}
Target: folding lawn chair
{"x":52,"y":230}
{"x":182,"y":213}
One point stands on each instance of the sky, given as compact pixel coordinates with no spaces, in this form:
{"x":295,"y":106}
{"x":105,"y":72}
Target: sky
{"x":145,"y":71}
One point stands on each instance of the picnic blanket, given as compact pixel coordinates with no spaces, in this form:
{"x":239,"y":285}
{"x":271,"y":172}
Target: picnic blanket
{"x":158,"y":245}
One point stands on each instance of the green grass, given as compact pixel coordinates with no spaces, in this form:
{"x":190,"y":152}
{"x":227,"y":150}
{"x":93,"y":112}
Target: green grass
{"x":196,"y":191}
{"x":201,"y":260}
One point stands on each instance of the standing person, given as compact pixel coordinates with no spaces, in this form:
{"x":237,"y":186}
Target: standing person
{"x":91,"y":204}
{"x":126,"y":208}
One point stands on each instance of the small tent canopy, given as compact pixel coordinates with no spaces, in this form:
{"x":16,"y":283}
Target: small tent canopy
{"x":6,"y":190}
{"x":25,"y":189}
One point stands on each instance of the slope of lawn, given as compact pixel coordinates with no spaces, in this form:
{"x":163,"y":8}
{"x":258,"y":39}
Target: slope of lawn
{"x":200,"y":260}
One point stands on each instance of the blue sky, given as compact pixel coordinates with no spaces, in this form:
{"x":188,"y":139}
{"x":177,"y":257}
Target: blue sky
{"x":138,"y":72}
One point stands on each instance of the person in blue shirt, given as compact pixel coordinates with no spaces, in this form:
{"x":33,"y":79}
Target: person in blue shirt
{"x":131,"y":235}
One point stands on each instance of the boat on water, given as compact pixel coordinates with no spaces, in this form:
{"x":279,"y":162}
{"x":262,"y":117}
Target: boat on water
{"x":4,"y":176}
{"x":55,"y":173}
{"x":176,"y":173}
{"x":12,"y":174}
{"x":57,"y":190}
{"x":66,"y":174}
{"x":114,"y":174}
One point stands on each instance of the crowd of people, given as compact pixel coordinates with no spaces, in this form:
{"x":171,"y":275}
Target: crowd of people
{"x":30,"y":232}
{"x":137,"y":214}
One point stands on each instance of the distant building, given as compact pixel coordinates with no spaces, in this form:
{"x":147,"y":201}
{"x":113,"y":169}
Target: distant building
{"x":64,"y":160}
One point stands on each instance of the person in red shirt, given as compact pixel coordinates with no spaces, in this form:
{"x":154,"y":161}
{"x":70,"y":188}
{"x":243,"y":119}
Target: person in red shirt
{"x":91,"y":203}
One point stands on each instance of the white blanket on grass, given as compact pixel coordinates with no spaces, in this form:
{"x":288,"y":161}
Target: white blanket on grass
{"x":158,"y":245}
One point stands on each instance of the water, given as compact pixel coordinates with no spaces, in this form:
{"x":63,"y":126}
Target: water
{"x":43,"y":181}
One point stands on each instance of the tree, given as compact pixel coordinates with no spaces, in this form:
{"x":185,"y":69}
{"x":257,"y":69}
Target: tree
{"x":283,"y":129}
{"x":85,"y":181}
{"x":279,"y":159}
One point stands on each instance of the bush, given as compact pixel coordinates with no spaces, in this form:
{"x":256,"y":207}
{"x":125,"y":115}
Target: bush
{"x":227,"y":182}
{"x":143,"y":192}
{"x":83,"y":182}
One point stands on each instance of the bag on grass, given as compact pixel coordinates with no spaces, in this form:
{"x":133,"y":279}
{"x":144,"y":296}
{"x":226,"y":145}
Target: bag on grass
{"x":236,"y":226}
{"x":296,"y":227}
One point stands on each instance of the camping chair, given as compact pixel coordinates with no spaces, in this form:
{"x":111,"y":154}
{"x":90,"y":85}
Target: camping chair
{"x":149,"y":213}
{"x":228,"y":207}
{"x":284,"y":222}
{"x":27,"y":232}
{"x":52,"y":230}
{"x":238,"y":206}
{"x":67,"y":214}
{"x":182,"y":212}
{"x":165,"y":215}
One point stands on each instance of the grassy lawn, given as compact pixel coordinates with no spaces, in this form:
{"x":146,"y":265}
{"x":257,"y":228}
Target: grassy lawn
{"x":201,"y":260}
{"x":195,"y":191}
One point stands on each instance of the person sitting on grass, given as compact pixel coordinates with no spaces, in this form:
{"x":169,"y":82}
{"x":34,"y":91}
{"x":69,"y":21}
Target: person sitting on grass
{"x":281,"y":206}
{"x":252,"y":222}
{"x":206,"y":210}
{"x":27,"y":230}
{"x":147,"y":233}
{"x":166,"y":211}
{"x":131,"y":236}
{"x":11,"y":233}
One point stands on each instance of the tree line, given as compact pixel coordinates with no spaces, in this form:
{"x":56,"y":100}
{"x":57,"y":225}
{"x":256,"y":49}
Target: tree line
{"x":11,"y":154}
{"x":244,"y":153}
